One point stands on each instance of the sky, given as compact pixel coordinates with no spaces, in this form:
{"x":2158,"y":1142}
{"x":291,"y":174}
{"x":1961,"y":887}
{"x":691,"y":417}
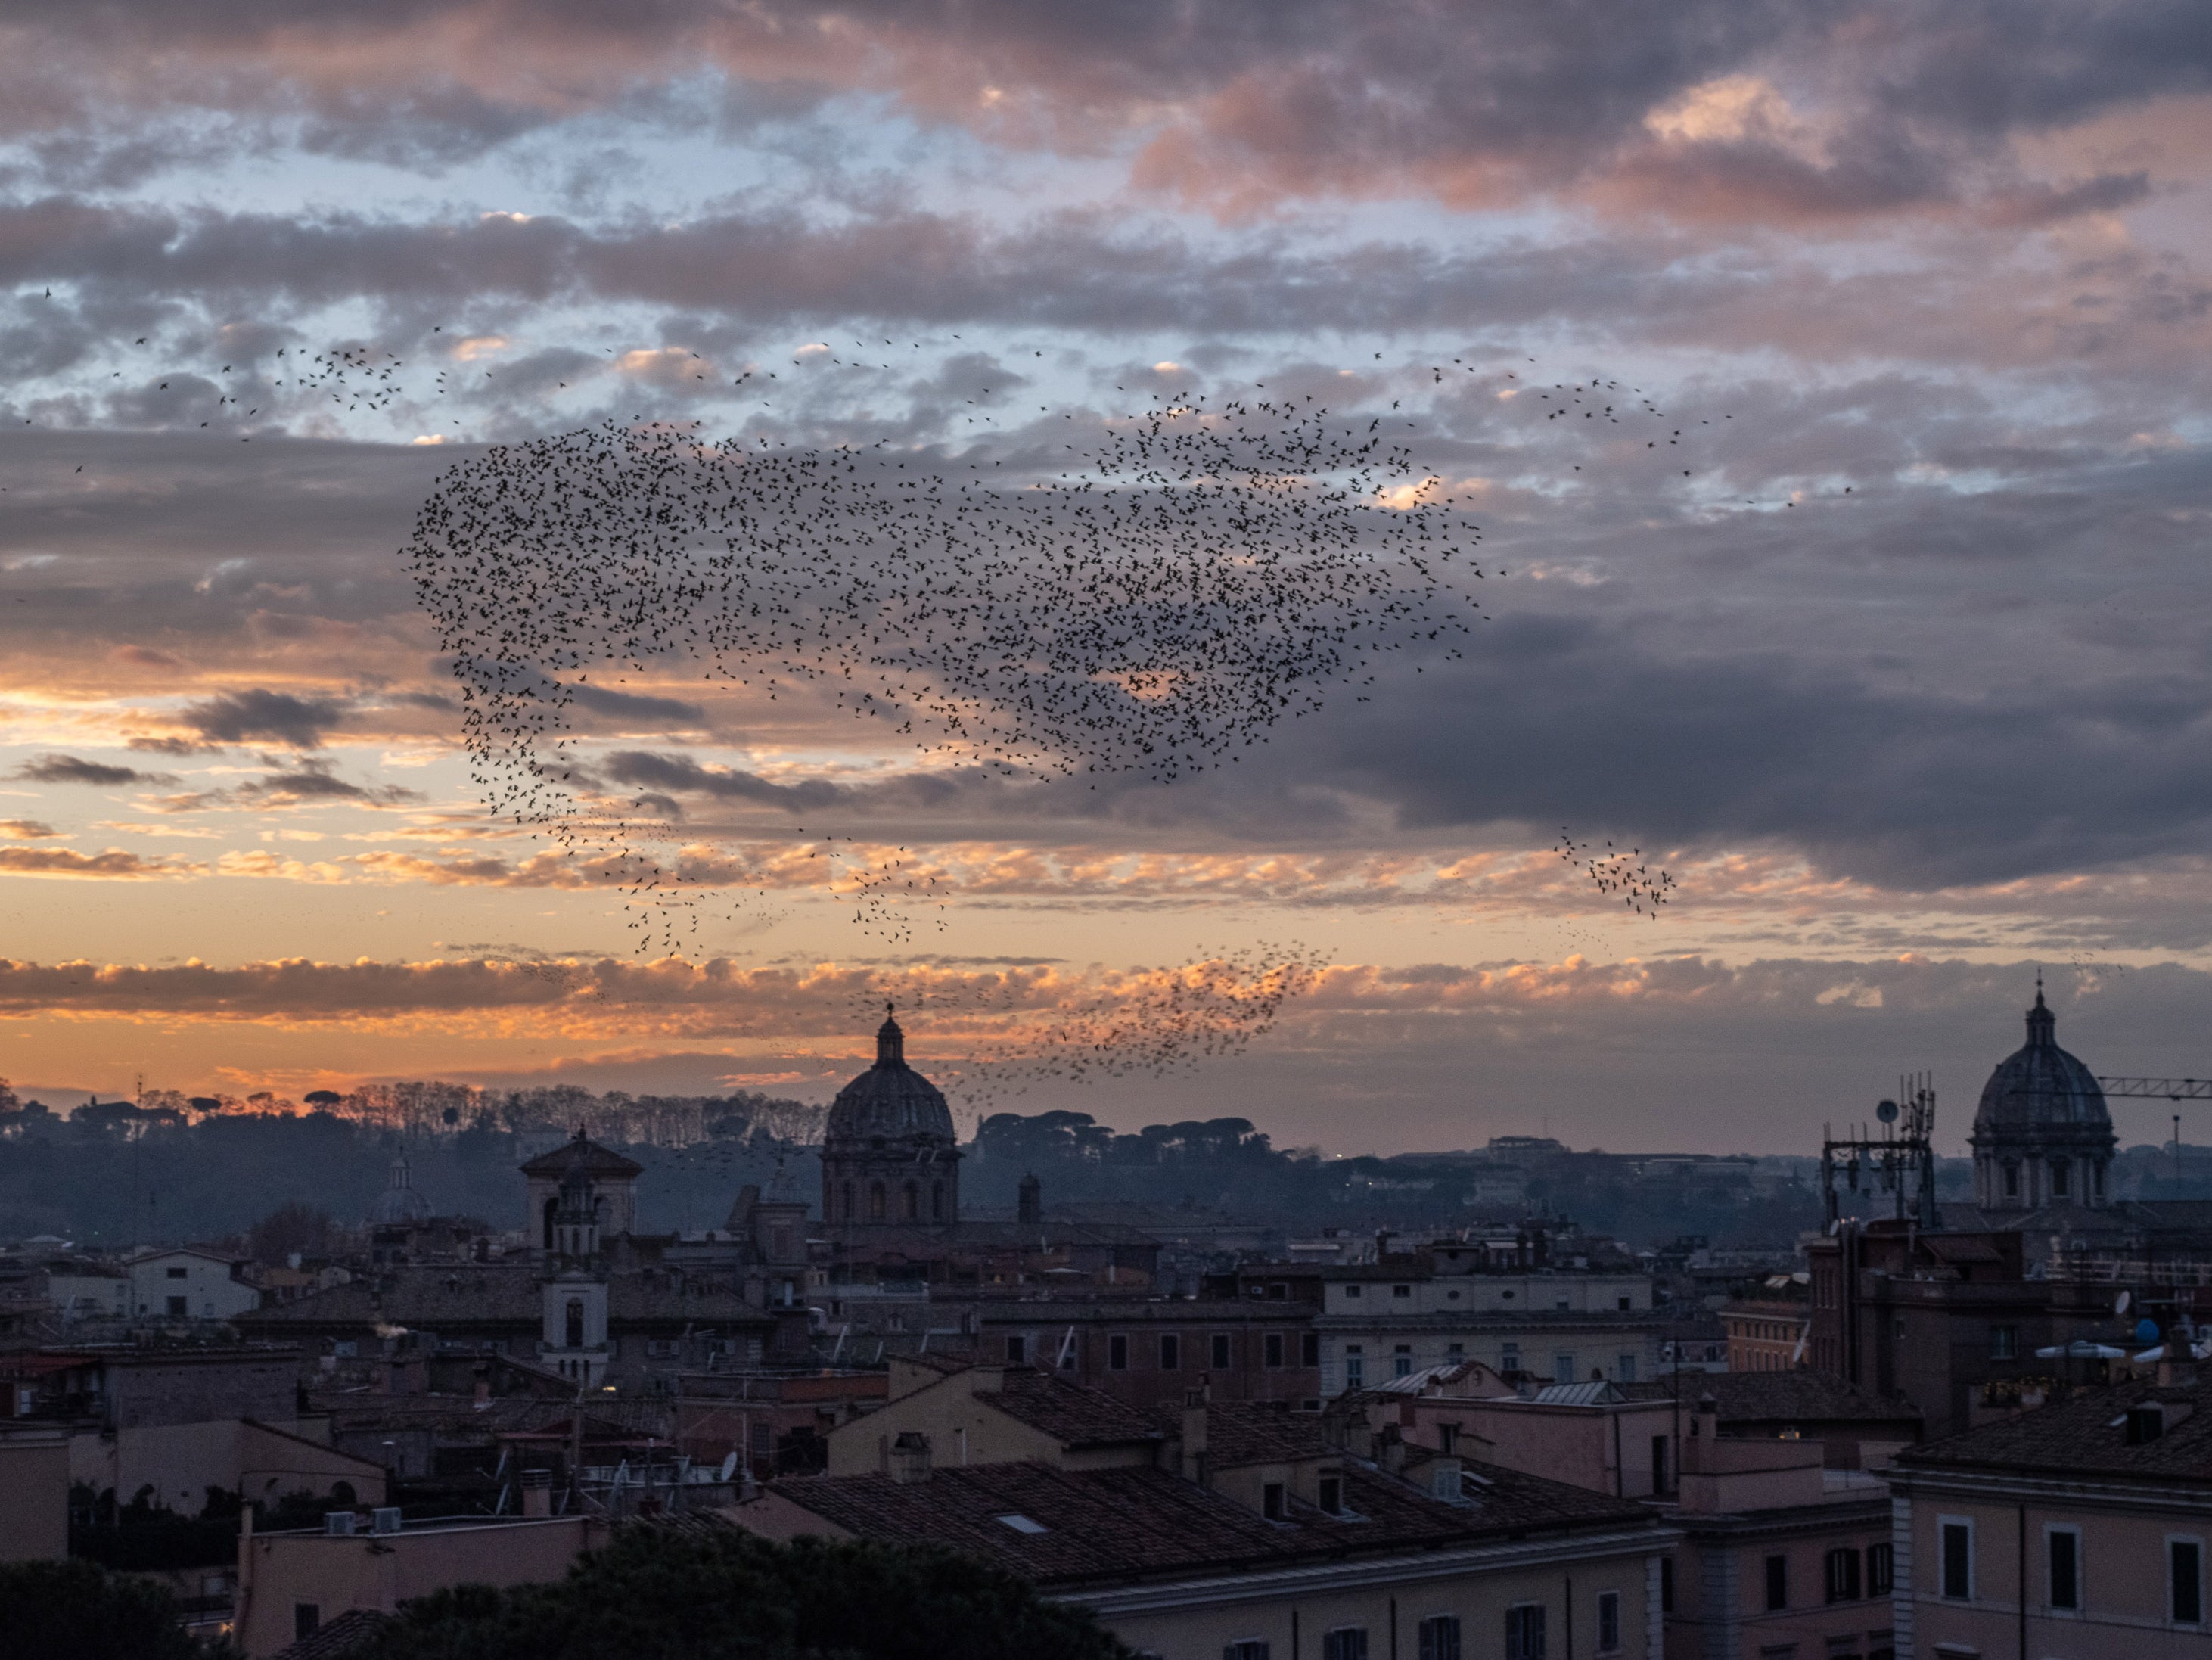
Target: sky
{"x":1885,"y":637}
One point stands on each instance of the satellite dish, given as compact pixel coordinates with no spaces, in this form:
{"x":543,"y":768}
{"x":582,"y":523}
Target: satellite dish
{"x":730,"y":1465}
{"x":2120,"y":1303}
{"x":2146,"y":1331}
{"x":1887,"y":1112}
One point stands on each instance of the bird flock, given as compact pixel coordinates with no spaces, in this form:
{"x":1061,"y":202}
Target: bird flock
{"x":1155,"y":604}
{"x":1145,"y":1022}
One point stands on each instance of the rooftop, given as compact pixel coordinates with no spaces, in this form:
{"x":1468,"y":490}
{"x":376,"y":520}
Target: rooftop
{"x":1794,"y":1397}
{"x":1072,"y":1414}
{"x":2089,"y":1435}
{"x":1062,"y":1528}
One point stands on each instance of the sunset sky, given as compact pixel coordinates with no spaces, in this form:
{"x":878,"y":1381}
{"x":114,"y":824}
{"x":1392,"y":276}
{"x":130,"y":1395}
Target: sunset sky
{"x":1891,"y":648}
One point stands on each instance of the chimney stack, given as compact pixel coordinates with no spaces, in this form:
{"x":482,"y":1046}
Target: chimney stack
{"x":907,"y":1462}
{"x":1196,"y":1465}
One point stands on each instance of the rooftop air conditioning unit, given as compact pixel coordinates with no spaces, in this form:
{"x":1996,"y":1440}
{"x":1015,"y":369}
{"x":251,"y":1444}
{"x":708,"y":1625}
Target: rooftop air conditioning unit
{"x":338,"y":1523}
{"x":384,"y":1519}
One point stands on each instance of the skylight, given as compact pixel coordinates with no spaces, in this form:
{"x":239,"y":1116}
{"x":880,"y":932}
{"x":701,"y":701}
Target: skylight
{"x":1021,"y":1524}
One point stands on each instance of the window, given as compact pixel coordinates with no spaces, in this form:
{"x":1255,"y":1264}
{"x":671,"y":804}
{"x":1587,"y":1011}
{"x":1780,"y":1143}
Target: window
{"x":1958,"y":1560}
{"x":1355,"y":1367}
{"x":2184,"y":1580}
{"x":2011,"y":1180}
{"x":937,"y":1201}
{"x":2059,"y":1173}
{"x":2062,"y":1548}
{"x":1841,"y":1568}
{"x":1659,"y":1463}
{"x":1666,"y":1584}
{"x":912,"y":1196}
{"x":1310,"y":1348}
{"x":1509,"y":1357}
{"x":179,"y":1307}
{"x":875,"y":1201}
{"x":1777,"y":1584}
{"x":1448,"y":1438}
{"x":1331,"y":1494}
{"x":1880,"y":1574}
{"x":1401,"y":1291}
{"x":1219,"y":1359}
{"x":1251,"y":1649}
{"x":2004,"y":1343}
{"x":1348,"y":1643}
{"x":1524,"y":1632}
{"x":1117,"y":1353}
{"x":1624,"y":1368}
{"x":1271,"y":1500}
{"x":1608,"y":1622}
{"x":1272,"y":1351}
{"x":1621,"y":1303}
{"x":1352,"y":1290}
{"x":179,"y":1274}
{"x":1170,"y":1353}
{"x":1016,"y":1350}
{"x":1402,"y":1361}
{"x":1439,"y":1637}
{"x":1563,"y":1369}
{"x":307,"y":1620}
{"x":572,"y":1323}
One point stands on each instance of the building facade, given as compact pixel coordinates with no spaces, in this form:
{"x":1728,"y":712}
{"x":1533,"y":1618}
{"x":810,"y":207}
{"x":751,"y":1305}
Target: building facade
{"x":2078,"y":1528}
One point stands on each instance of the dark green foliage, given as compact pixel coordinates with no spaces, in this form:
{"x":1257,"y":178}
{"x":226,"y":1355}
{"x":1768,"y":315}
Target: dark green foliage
{"x":72,"y":1610}
{"x":653,"y":1594}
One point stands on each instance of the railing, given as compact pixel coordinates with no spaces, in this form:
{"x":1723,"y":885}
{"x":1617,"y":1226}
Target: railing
{"x":2100,"y":1269}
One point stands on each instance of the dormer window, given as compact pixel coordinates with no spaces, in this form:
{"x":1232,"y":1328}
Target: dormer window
{"x":1331,"y":1494}
{"x":1271,"y":1500}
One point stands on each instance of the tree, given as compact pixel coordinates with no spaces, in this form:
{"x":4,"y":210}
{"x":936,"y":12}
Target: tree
{"x":292,"y":1227}
{"x":72,"y":1610}
{"x":657,"y":1594}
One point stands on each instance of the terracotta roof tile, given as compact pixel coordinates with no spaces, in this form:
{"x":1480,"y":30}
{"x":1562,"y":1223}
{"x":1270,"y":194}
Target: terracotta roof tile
{"x":1072,"y":1414}
{"x":1137,"y":1523}
{"x":2084,"y":1435}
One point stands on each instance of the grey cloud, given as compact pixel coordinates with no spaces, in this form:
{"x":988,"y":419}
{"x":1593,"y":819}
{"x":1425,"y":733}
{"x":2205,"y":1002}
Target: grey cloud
{"x":74,"y":769}
{"x":1561,"y":721}
{"x":276,"y":716}
{"x":630,"y":707}
{"x":643,"y":769}
{"x":315,"y":781}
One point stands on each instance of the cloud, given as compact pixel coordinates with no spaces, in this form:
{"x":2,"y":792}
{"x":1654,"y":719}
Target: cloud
{"x":273,"y":717}
{"x":73,"y":769}
{"x":27,"y":829}
{"x":115,"y":863}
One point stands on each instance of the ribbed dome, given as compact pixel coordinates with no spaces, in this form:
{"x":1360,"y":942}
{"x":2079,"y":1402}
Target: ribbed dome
{"x":2041,"y":1085}
{"x":890,"y":1099}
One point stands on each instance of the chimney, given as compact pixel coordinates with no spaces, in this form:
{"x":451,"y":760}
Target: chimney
{"x":1706,"y":1422}
{"x":1196,"y":1465}
{"x":2174,"y":1372}
{"x":538,"y":1493}
{"x":484,"y":1387}
{"x":907,"y":1462}
{"x":1391,"y":1448}
{"x":1030,"y":1204}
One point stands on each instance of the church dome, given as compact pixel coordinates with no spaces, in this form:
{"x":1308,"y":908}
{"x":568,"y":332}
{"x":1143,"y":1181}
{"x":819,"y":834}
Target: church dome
{"x":890,"y":1099}
{"x":2040,"y":1086}
{"x":399,"y":1204}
